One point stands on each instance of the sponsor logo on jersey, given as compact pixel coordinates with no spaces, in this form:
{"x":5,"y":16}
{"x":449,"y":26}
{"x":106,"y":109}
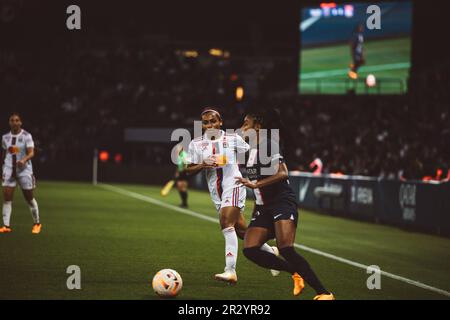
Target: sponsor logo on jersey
{"x":204,"y":145}
{"x":225,"y":143}
{"x":14,"y":150}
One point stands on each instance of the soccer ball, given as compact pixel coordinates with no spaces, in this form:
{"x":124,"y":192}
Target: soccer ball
{"x":371,"y":81}
{"x":167,"y":283}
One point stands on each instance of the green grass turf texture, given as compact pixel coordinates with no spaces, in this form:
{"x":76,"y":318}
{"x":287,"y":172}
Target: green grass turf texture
{"x":377,"y":53}
{"x":120,"y":243}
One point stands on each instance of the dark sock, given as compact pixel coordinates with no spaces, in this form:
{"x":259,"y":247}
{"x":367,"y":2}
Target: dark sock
{"x":303,"y":268}
{"x":184,"y":195}
{"x":266,"y":260}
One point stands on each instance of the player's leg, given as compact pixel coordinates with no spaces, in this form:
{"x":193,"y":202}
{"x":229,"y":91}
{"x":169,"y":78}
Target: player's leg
{"x":229,"y":216}
{"x":358,"y":64}
{"x":241,"y":229}
{"x":285,"y":234}
{"x":241,"y":226}
{"x":352,"y":73}
{"x":185,"y":190}
{"x":27,"y":184}
{"x":8,"y":194}
{"x":255,"y":237}
{"x":237,"y":199}
{"x":182,"y":186}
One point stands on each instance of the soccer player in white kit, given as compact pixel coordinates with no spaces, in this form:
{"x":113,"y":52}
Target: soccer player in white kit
{"x":216,"y":152}
{"x":18,"y":149}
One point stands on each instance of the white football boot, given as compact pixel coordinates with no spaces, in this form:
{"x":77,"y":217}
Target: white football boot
{"x":229,"y":276}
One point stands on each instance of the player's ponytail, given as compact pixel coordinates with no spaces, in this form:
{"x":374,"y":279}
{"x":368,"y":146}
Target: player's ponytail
{"x":271,"y":119}
{"x":274,"y":121}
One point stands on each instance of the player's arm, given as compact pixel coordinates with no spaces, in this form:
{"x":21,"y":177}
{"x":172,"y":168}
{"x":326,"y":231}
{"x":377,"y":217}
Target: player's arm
{"x":30,"y":154}
{"x":194,"y":168}
{"x":3,"y":151}
{"x":194,"y":162}
{"x":241,"y":145}
{"x":3,"y":161}
{"x":353,"y":44}
{"x":354,"y":41}
{"x":281,"y":175}
{"x":29,"y":144}
{"x":210,"y":162}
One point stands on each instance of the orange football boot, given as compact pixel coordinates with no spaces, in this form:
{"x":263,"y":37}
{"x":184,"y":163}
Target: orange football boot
{"x":5,"y":229}
{"x":353,"y":75}
{"x":299,"y":284}
{"x":36,"y":228}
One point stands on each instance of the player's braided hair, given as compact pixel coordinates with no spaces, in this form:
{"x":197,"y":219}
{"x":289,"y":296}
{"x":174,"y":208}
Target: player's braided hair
{"x":268,"y":119}
{"x":271,"y":119}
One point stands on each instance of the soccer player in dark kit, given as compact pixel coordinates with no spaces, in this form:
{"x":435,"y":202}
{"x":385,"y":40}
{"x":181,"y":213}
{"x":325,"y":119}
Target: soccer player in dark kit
{"x":275,"y":214}
{"x":356,"y":47}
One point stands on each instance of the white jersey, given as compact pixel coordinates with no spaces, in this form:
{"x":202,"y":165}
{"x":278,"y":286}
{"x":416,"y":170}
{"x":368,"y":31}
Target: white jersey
{"x":15,"y":146}
{"x":221,"y":180}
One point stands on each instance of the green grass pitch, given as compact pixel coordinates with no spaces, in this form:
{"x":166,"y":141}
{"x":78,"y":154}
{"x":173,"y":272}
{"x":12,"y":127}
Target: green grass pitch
{"x":327,"y":67}
{"x":120,"y":242}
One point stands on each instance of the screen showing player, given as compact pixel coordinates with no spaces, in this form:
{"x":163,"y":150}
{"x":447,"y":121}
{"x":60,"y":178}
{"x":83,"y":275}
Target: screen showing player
{"x":360,"y":48}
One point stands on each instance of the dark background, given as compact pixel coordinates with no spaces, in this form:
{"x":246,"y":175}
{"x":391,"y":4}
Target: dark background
{"x":44,"y":65}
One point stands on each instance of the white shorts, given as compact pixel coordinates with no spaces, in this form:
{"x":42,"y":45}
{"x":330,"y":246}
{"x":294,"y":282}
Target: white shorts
{"x":26,"y":180}
{"x":234,"y":197}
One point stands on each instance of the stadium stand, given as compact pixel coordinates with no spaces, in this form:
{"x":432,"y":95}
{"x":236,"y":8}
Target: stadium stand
{"x":110,"y":90}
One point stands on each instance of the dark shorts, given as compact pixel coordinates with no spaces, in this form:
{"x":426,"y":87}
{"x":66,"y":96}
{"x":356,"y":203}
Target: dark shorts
{"x":358,"y":59}
{"x":182,"y":177}
{"x":265,"y":216}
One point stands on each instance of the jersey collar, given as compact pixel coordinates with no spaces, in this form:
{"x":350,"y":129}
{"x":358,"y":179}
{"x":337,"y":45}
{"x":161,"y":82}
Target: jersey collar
{"x":222,"y":133}
{"x":18,"y":134}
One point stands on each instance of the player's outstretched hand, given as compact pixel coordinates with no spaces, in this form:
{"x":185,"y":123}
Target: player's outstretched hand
{"x":21,"y":164}
{"x":210,"y":162}
{"x":246,"y":182}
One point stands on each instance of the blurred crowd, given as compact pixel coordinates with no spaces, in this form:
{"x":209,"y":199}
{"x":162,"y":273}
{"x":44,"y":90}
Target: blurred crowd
{"x":390,"y":138}
{"x":73,"y":101}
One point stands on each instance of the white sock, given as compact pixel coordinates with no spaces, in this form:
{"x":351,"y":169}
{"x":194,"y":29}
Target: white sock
{"x":7,"y":208}
{"x":231,"y":248}
{"x":265,"y":247}
{"x":34,"y":210}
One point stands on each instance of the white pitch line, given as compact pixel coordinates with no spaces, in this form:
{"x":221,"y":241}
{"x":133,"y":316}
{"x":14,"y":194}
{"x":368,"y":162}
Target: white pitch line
{"x":343,"y":72}
{"x":308,"y":23}
{"x":315,"y":251}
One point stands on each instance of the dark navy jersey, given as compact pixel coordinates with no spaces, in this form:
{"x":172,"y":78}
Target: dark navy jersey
{"x":357,"y":43}
{"x":262,"y":163}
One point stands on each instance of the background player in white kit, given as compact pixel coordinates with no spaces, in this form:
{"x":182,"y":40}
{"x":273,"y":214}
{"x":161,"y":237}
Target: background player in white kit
{"x":216,"y":152}
{"x":18,"y":149}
